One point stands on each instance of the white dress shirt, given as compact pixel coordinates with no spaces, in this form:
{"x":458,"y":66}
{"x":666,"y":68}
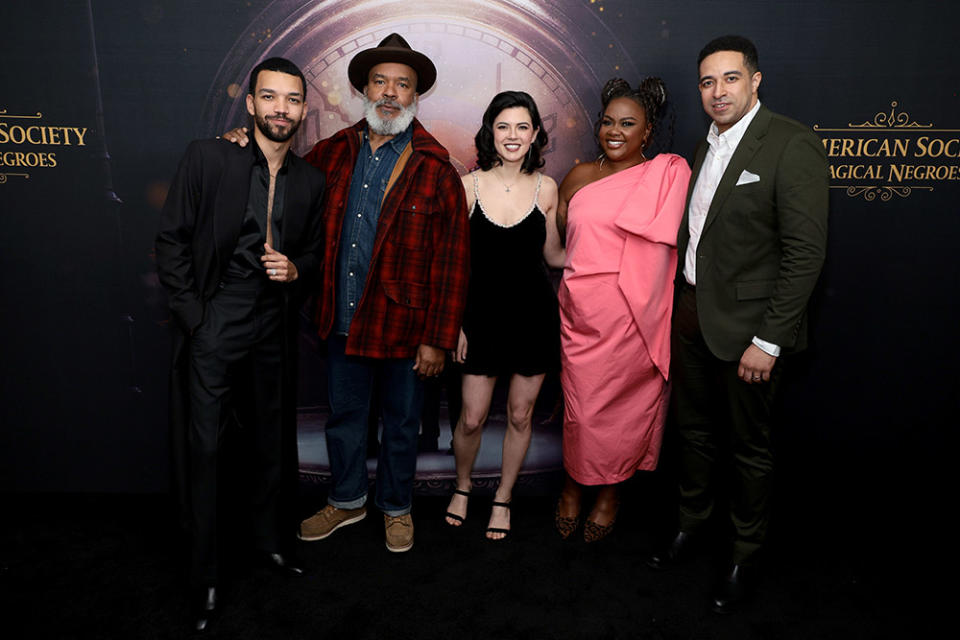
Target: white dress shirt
{"x":722,"y":146}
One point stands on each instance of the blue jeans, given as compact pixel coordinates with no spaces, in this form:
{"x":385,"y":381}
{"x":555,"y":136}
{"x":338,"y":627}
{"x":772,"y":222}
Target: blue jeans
{"x":350,"y":383}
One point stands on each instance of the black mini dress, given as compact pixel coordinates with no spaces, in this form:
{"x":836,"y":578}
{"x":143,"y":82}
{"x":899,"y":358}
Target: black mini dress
{"x":511,"y":319}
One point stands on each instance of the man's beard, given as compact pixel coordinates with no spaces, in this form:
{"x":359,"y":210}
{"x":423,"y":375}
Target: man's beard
{"x":392,"y":126}
{"x":271,"y":132}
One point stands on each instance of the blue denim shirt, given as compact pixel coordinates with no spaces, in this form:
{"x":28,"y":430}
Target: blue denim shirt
{"x":369,"y":180}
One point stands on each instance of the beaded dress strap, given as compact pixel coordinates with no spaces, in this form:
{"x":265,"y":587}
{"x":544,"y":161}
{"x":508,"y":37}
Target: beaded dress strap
{"x":476,"y":194}
{"x":536,"y":194}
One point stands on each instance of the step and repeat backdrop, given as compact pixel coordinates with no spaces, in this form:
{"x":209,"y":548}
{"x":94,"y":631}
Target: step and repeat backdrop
{"x":99,"y":98}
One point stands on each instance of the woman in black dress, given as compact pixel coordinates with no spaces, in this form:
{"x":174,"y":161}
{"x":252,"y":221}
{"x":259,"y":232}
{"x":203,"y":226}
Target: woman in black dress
{"x":511,"y":323}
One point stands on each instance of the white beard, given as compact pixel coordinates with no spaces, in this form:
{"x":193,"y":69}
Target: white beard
{"x":384,"y":126}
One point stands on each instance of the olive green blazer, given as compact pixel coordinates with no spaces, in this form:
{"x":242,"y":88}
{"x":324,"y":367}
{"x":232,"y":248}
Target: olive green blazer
{"x":763,"y":242}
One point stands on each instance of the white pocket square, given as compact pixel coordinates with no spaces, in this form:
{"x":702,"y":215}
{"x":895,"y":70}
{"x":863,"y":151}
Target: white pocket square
{"x":747,"y":178}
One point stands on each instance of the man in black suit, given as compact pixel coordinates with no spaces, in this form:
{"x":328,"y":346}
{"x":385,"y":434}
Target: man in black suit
{"x":751,"y":246}
{"x":239,"y":243}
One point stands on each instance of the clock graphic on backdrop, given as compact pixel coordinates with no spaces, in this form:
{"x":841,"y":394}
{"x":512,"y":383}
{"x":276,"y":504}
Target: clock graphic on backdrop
{"x":558,"y":52}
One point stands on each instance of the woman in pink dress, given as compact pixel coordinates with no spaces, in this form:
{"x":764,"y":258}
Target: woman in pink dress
{"x":621,"y":214}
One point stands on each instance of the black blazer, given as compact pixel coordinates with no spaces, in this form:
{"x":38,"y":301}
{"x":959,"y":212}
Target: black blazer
{"x":201,"y":221}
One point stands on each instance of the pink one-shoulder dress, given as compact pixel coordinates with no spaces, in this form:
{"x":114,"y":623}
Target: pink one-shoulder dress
{"x":616,"y":300}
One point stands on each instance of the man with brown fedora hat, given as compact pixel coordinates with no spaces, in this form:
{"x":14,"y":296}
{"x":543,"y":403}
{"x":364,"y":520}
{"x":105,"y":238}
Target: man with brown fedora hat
{"x":393,"y":48}
{"x":395,"y":270}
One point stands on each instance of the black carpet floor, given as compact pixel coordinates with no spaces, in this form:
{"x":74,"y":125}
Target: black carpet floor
{"x":82,"y":566}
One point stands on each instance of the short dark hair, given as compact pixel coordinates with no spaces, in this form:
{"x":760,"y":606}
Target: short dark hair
{"x":277,"y":64}
{"x":651,"y":95}
{"x":487,"y":157}
{"x":733,"y":43}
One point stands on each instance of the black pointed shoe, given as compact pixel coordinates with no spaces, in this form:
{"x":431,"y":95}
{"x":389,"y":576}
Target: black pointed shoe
{"x":205,"y":604}
{"x":732,"y":590}
{"x":673,"y":553}
{"x":281,"y":563}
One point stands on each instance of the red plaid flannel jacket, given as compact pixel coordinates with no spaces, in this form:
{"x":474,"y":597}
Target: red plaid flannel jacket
{"x":417,"y":285}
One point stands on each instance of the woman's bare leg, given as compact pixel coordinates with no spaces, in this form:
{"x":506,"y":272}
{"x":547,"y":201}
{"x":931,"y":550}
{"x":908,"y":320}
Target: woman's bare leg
{"x":520,"y":401}
{"x":477,"y":394}
{"x":605,"y":509}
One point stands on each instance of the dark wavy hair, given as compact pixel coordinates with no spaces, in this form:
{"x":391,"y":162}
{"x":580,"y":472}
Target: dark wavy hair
{"x":487,"y":157}
{"x":651,"y":95}
{"x":277,"y":64}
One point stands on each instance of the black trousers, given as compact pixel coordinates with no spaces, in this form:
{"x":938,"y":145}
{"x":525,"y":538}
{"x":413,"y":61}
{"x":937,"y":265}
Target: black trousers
{"x":721,"y":418}
{"x":452,"y":379}
{"x":240,"y":336}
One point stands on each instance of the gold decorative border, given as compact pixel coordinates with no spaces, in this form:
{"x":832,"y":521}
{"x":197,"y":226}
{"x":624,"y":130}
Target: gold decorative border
{"x":893,"y":121}
{"x":884,"y":192}
{"x":3,"y":115}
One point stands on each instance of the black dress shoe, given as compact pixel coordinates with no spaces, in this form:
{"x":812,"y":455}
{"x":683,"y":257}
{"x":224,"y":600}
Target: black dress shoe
{"x":673,"y":553}
{"x":732,"y":590}
{"x":206,"y":605}
{"x":279,"y":562}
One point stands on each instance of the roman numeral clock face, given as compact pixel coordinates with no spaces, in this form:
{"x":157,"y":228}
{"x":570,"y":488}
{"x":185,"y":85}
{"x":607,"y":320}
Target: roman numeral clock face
{"x":558,"y":52}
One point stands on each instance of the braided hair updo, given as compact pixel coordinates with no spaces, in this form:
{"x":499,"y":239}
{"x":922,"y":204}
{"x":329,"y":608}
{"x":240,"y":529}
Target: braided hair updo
{"x":651,"y":95}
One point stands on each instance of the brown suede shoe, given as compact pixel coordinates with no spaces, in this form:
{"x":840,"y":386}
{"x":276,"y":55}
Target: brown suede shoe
{"x":327,"y":520}
{"x":399,"y":531}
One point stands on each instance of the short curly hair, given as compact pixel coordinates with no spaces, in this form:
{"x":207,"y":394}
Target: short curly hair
{"x":277,"y":64}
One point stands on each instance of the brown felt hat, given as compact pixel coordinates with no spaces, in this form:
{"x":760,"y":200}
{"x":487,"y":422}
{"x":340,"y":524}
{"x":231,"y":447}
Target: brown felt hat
{"x":393,"y":48}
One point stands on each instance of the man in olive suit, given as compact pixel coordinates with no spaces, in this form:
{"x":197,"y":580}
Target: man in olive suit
{"x":751,"y":246}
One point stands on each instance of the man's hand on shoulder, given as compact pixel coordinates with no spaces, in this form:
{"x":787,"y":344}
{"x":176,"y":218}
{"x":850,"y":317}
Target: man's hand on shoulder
{"x":237,"y":136}
{"x":755,"y":365}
